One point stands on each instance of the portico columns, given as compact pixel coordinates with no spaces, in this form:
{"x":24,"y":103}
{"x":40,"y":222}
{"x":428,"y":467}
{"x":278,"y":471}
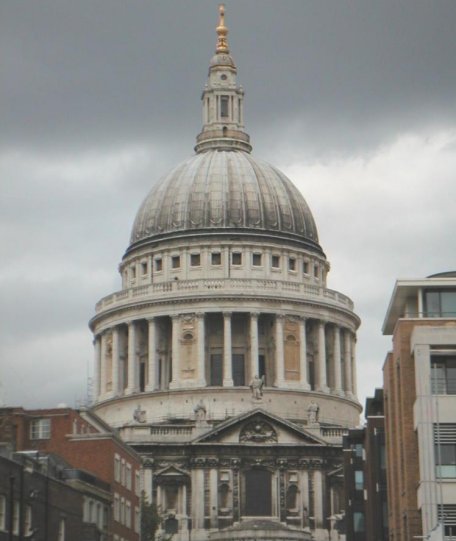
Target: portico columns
{"x":279,"y":379}
{"x":151,"y":357}
{"x":337,"y":362}
{"x":174,"y":352}
{"x":131,"y":386}
{"x":201,"y":351}
{"x":103,"y":366}
{"x":322,"y":384}
{"x":318,"y":499}
{"x":353,"y":361}
{"x":115,"y":361}
{"x":96,"y":367}
{"x":304,"y":376}
{"x":227,"y":364}
{"x":348,"y":363}
{"x":254,"y":345}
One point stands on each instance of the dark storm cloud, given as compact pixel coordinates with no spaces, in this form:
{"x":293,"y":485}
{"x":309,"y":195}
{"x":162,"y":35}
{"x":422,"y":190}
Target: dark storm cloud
{"x":342,"y":73}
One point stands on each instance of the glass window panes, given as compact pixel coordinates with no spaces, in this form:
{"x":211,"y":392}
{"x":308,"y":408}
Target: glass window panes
{"x":175,"y":262}
{"x":292,"y":264}
{"x":359,"y":480}
{"x":275,"y":261}
{"x":236,"y":258}
{"x":216,"y":258}
{"x":158,"y":265}
{"x":195,"y":260}
{"x":256,"y":260}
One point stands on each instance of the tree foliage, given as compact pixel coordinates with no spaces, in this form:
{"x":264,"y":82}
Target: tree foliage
{"x":150,"y":519}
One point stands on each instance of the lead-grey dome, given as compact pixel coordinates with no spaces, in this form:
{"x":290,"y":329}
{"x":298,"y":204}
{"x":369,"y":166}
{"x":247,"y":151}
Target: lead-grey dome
{"x":224,"y":192}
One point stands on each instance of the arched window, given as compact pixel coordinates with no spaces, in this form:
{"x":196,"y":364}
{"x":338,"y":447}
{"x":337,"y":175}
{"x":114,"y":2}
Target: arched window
{"x":224,"y":496}
{"x":292,"y":497}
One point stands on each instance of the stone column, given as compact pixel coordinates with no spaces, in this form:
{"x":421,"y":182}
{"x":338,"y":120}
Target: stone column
{"x":347,"y":362}
{"x":227,"y":357}
{"x":353,"y":365}
{"x":213,"y":500}
{"x":148,"y":486}
{"x":253,"y":345}
{"x":198,"y":499}
{"x":337,"y":362}
{"x":279,"y":368}
{"x":322,"y":384}
{"x":175,"y":352}
{"x":103,"y":366}
{"x":115,"y":361}
{"x":151,"y":356}
{"x":96,"y":367}
{"x":131,"y":385}
{"x":304,"y":489}
{"x":303,"y":372}
{"x":201,"y":350}
{"x":318,"y":499}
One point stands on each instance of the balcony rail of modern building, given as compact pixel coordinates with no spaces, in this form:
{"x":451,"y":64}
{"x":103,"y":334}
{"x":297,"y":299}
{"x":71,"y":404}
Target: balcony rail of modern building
{"x":254,"y":286}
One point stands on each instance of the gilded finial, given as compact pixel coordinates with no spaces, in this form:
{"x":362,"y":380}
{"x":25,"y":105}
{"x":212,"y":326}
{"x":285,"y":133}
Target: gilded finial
{"x":222,"y":32}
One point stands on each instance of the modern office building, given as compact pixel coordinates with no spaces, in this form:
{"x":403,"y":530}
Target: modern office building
{"x":420,"y":407}
{"x":225,"y":360}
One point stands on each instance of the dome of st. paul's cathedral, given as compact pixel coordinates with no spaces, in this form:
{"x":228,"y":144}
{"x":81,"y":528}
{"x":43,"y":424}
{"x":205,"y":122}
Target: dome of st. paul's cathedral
{"x":228,"y":191}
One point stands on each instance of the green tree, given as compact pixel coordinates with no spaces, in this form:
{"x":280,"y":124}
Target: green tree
{"x":150,"y":519}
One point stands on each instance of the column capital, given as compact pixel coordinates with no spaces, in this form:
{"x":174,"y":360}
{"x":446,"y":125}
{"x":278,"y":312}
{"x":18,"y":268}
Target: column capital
{"x":254,"y":314}
{"x":200,"y":315}
{"x":227,"y":314}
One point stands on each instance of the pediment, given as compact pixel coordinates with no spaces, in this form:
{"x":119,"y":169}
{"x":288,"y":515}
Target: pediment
{"x":259,"y":427}
{"x":171,"y":473}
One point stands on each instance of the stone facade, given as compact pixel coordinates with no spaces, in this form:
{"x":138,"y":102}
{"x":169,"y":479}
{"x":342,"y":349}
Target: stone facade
{"x":225,"y":360}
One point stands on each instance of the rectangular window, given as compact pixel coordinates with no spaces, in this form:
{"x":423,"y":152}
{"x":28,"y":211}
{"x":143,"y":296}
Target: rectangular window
{"x":175,"y":262}
{"x":358,"y":521}
{"x":158,"y":264}
{"x":40,"y":429}
{"x":122,"y":473}
{"x":117,"y":468}
{"x":216,"y":369}
{"x":128,"y":515}
{"x":256,"y":260}
{"x":448,"y":513}
{"x":28,"y":520}
{"x":133,"y":272}
{"x":275,"y":261}
{"x":292,"y":264}
{"x":137,"y":483}
{"x":443,"y":374}
{"x":305,"y":267}
{"x":216,"y":258}
{"x":61,"y":530}
{"x":195,"y":260}
{"x":224,"y":106}
{"x":116,"y":507}
{"x":440,"y":303}
{"x":316,"y":271}
{"x":358,"y":448}
{"x":122,"y":511}
{"x":16,"y":518}
{"x":445,"y":450}
{"x":236,"y":258}
{"x":144,"y":268}
{"x":137,"y":520}
{"x":359,"y":480}
{"x":128,"y":477}
{"x":2,"y":513}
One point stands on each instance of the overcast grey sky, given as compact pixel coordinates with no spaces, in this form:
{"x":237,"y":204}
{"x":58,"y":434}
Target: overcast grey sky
{"x":353,"y":99}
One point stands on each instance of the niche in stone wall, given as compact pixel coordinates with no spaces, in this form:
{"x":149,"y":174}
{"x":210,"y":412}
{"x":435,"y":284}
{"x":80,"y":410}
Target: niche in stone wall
{"x":188,"y":347}
{"x":291,"y":350}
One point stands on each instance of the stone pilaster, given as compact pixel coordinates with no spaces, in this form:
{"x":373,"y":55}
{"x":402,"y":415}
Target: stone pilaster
{"x":152,"y":355}
{"x":132,"y":362}
{"x":115,"y":361}
{"x":96,"y":367}
{"x":337,"y":363}
{"x":322,"y":383}
{"x":175,"y":352}
{"x":227,"y":355}
{"x":201,"y":322}
{"x":348,"y":364}
{"x":254,"y":345}
{"x":279,"y":365}
{"x":303,"y":371}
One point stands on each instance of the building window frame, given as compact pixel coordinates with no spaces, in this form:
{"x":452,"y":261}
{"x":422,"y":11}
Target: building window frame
{"x":40,"y":429}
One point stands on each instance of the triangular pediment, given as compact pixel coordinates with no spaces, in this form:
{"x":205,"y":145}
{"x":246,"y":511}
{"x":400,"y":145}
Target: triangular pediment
{"x":171,"y":472}
{"x":259,"y":427}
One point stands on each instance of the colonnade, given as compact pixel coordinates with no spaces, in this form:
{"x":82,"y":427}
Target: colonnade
{"x":121,"y":349}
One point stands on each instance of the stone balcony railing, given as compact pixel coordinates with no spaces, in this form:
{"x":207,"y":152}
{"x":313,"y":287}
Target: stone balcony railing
{"x":252,"y":286}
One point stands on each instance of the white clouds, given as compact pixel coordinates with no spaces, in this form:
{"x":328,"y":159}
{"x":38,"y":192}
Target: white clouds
{"x":386,"y":216}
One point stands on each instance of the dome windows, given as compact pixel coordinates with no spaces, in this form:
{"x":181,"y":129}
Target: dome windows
{"x":175,"y":261}
{"x":216,"y":258}
{"x":195,"y":260}
{"x":236,"y":258}
{"x":256,"y":259}
{"x":275,"y":261}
